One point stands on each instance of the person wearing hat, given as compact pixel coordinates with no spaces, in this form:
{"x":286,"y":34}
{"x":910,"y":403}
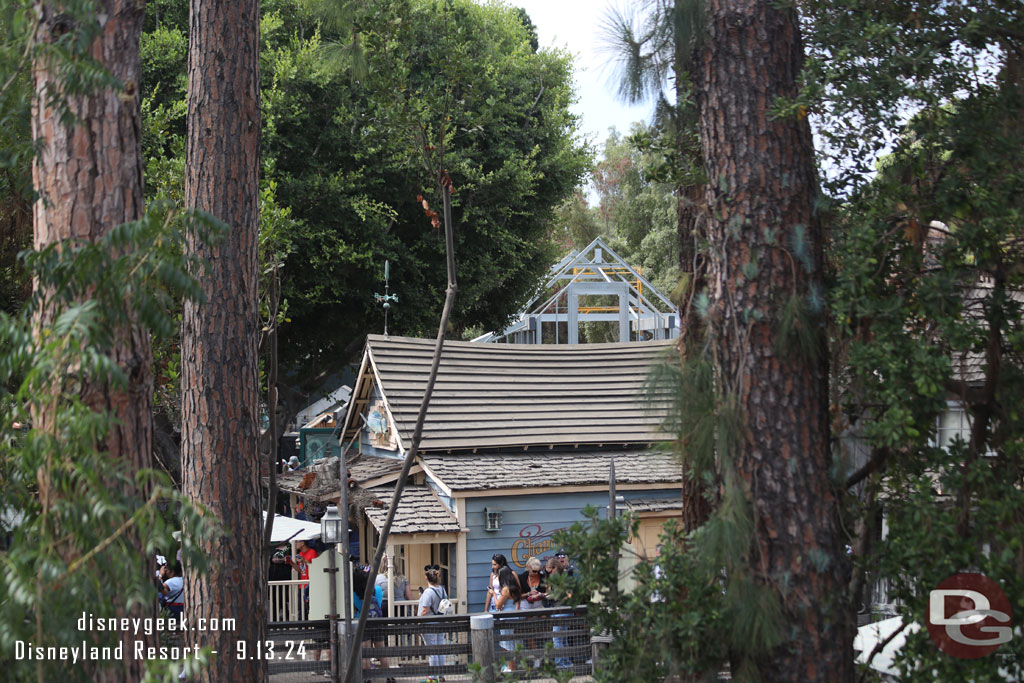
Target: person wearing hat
{"x":563,"y":560}
{"x":294,"y":464}
{"x":553,"y":567}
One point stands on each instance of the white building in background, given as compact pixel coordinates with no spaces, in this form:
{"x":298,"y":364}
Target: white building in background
{"x":328,"y":404}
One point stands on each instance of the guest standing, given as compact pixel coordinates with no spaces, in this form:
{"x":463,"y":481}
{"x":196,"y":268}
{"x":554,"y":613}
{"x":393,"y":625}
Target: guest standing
{"x":430,"y":602}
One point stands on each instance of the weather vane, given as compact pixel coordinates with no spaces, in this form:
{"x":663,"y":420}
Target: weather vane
{"x":386,"y":298}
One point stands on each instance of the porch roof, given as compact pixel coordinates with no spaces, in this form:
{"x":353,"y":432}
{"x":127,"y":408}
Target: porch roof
{"x":662,"y":504}
{"x":532,"y":469}
{"x":419,"y":511}
{"x":363,"y":468}
{"x":319,"y":481}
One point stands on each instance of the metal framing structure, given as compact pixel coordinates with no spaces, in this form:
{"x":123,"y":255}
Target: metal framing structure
{"x":595,"y":271}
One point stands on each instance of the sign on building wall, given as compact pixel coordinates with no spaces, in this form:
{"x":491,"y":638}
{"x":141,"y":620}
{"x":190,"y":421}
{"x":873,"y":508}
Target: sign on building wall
{"x":533,"y":541}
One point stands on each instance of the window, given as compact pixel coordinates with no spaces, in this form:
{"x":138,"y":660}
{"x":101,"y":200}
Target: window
{"x":952,"y":423}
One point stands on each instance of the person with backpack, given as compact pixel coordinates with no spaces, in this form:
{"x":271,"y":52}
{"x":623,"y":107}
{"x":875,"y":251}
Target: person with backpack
{"x":433,"y":602}
{"x":360,"y":577}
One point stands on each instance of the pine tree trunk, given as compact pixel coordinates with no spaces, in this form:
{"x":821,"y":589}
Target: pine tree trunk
{"x":690,"y":222}
{"x":88,"y":177}
{"x":220,"y":461}
{"x":761,"y":194}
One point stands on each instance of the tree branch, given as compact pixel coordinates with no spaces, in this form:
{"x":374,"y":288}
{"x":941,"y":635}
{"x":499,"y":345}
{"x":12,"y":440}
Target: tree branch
{"x":128,"y":523}
{"x":449,"y":300}
{"x":877,"y":459}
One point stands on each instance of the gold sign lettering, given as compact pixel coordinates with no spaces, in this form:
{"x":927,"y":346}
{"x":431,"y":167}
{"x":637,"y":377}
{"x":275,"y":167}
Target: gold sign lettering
{"x":532,"y":542}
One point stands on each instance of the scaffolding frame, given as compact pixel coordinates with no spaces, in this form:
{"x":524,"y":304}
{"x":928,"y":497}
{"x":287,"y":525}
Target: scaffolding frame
{"x":595,"y":270}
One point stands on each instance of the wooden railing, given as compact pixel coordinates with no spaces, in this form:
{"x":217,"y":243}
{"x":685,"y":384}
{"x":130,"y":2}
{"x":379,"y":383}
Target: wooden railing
{"x":286,"y":601}
{"x":407,"y":608}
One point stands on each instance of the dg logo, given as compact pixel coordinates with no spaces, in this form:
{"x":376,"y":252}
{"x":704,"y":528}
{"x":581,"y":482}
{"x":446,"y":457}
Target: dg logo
{"x":969,"y":616}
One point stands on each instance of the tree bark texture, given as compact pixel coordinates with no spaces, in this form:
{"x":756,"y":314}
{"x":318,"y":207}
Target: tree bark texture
{"x":761,"y":191}
{"x":690,"y":220}
{"x":88,"y":179}
{"x":220,"y":458}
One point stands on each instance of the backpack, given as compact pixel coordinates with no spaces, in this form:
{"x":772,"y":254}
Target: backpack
{"x":446,"y":606}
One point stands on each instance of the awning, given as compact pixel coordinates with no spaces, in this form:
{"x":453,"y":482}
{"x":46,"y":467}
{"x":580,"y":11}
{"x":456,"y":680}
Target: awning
{"x":870,"y":635}
{"x":289,"y":529}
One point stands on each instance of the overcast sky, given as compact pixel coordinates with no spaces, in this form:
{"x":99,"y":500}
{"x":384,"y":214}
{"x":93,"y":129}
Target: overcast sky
{"x":575,"y":24}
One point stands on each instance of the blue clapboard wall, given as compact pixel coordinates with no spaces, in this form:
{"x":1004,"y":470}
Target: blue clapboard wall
{"x":528,"y":523}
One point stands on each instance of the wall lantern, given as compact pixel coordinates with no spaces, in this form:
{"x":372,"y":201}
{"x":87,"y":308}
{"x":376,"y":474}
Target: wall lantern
{"x":331,"y":525}
{"x":492,"y":519}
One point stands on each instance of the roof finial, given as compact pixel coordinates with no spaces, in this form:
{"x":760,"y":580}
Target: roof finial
{"x":386,"y":298}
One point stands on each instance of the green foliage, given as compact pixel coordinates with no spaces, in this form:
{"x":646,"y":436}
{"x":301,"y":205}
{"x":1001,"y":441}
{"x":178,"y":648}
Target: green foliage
{"x":653,"y":46}
{"x":923,"y":548}
{"x":799,"y":329}
{"x":926,"y":296}
{"x":918,"y":107}
{"x":670,"y":624}
{"x":576,"y":224}
{"x":709,"y":609}
{"x":68,"y":509}
{"x":15,"y":153}
{"x":350,"y":152}
{"x":638,"y":206}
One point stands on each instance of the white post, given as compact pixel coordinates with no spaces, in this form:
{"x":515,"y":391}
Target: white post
{"x":391,"y":582}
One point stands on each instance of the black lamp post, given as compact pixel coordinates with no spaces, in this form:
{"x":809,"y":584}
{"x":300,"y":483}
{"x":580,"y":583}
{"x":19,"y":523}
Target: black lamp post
{"x":331,"y":529}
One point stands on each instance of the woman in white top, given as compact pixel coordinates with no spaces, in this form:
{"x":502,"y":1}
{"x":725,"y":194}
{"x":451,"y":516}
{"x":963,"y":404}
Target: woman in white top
{"x":493,"y":585}
{"x":508,"y":598}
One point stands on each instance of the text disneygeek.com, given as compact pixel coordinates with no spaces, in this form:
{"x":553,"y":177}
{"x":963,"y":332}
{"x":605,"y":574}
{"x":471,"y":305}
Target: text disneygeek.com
{"x":139,"y":649}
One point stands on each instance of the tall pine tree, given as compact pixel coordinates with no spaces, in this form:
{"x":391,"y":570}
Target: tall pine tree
{"x":220,"y":465}
{"x":87,"y":175}
{"x":764,"y":319}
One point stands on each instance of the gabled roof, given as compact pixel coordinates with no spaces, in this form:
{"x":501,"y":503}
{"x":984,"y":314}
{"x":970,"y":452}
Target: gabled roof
{"x":490,"y":396}
{"x":337,"y":398}
{"x":364,"y":468}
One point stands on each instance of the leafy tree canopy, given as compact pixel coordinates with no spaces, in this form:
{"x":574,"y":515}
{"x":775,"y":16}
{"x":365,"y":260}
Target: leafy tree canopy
{"x":637,"y":205}
{"x":355,"y":121}
{"x":928,"y":291}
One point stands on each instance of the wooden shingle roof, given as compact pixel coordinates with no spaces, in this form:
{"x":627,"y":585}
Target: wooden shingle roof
{"x":661,"y":504}
{"x":490,"y":471}
{"x":491,"y":396}
{"x":419,"y":511}
{"x":366,"y":467}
